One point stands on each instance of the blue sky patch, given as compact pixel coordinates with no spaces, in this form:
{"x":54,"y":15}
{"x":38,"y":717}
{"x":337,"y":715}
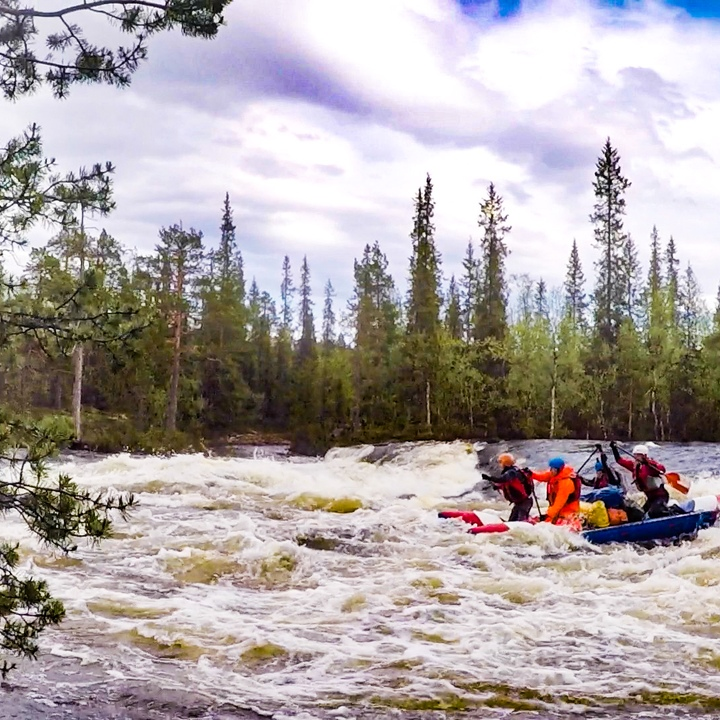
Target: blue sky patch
{"x":696,"y":8}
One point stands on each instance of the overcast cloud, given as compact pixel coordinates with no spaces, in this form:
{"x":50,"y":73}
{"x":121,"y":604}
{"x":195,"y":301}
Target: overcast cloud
{"x":321,"y":118}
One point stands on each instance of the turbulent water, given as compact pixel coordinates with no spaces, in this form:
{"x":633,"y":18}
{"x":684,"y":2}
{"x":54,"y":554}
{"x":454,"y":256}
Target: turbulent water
{"x":330,"y":589}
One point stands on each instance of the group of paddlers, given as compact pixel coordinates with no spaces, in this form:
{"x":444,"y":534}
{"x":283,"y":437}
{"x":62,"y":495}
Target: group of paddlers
{"x":564,"y":485}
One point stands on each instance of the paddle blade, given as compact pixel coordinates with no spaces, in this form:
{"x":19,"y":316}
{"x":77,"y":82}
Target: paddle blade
{"x":681,"y":484}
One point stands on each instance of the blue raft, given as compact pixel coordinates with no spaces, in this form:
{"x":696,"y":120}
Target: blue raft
{"x":675,"y":527}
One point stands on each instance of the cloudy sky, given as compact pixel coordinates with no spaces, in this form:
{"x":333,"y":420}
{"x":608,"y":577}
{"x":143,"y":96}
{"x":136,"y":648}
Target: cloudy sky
{"x":322,"y":117}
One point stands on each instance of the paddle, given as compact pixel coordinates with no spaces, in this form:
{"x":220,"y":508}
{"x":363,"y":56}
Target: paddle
{"x":673,"y":479}
{"x":590,"y":457}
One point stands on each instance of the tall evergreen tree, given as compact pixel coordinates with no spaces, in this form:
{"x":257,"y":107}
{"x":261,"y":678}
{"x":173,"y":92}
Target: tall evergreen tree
{"x":423,"y":309}
{"x":610,"y":296}
{"x":575,"y":300}
{"x":541,"y":299}
{"x":491,"y":308}
{"x":469,"y":291}
{"x":672,"y":276}
{"x":307,"y":321}
{"x":180,"y":254}
{"x":453,"y":315}
{"x":224,"y":354}
{"x":692,"y":314}
{"x":423,"y":306}
{"x":287,"y":292}
{"x":374,"y":314}
{"x":328,"y":325}
{"x":631,"y":275}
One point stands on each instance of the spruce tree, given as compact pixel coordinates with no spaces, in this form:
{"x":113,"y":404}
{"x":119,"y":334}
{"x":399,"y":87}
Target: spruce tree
{"x":691,"y":310}
{"x":179,"y":259}
{"x":423,"y":305}
{"x":306,"y":320}
{"x":328,"y":325}
{"x":469,"y":291}
{"x":610,"y":296}
{"x":631,"y":274}
{"x":491,"y":304}
{"x":672,"y":279}
{"x":654,"y":288}
{"x":541,"y":300}
{"x":374,"y":314}
{"x":423,"y":310}
{"x":228,"y":258}
{"x":287,"y":292}
{"x":575,"y":300}
{"x":453,"y":315}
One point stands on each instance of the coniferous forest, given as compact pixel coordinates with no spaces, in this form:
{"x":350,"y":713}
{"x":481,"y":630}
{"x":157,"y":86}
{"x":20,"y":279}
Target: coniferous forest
{"x":206,"y":353}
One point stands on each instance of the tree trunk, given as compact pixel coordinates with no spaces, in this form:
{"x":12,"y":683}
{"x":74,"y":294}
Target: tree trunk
{"x":427,"y":404}
{"x":78,"y":359}
{"x":171,"y":416}
{"x":630,"y":417}
{"x":653,"y":407}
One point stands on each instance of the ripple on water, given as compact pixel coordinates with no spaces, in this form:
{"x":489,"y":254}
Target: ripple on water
{"x":306,"y":588}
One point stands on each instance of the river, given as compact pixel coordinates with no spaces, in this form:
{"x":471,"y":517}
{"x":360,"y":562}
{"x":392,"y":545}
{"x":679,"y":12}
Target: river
{"x":284,"y":587}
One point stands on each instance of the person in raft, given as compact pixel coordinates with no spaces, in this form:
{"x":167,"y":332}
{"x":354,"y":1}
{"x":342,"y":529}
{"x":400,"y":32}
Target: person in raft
{"x":563,"y":494}
{"x":515,"y":486}
{"x":647,"y":474}
{"x":605,"y":476}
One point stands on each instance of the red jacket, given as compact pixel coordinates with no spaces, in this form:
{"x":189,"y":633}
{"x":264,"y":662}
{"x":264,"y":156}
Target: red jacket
{"x":647,"y":476}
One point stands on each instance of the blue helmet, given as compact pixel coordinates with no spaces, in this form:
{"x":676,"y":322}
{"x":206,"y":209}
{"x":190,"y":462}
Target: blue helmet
{"x":598,"y":466}
{"x":557,"y":463}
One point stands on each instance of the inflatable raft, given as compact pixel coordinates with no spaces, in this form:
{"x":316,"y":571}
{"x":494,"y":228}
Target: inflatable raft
{"x":699,"y":514}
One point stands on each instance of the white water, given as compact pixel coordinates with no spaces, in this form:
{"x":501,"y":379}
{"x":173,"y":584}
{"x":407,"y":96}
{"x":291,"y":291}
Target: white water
{"x":207,"y":588}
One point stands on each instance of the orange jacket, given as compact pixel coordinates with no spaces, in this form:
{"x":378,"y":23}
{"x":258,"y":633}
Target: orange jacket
{"x":563,"y":492}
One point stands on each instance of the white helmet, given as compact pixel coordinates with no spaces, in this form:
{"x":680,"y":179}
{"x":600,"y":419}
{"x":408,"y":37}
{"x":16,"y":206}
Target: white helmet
{"x":640,"y":450}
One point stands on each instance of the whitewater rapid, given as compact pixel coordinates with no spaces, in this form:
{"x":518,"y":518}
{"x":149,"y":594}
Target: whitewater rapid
{"x":320,"y":589}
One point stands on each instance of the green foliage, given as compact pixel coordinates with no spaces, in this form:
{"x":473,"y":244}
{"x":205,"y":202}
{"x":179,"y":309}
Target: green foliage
{"x":70,"y":56}
{"x":57,"y":511}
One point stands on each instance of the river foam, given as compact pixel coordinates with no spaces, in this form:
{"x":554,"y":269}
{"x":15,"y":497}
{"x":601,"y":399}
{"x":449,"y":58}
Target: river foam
{"x":332,"y":588}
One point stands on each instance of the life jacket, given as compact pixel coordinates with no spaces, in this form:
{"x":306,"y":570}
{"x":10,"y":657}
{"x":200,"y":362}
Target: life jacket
{"x":553,"y":483}
{"x":515,"y":485}
{"x":646,"y":481}
{"x":607,"y":478}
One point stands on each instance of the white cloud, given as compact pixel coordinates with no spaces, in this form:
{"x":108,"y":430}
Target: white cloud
{"x":321,"y":119}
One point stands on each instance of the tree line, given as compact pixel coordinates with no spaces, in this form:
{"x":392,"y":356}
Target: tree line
{"x":486,"y":355}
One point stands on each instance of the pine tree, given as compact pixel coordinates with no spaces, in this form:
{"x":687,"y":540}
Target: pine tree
{"x":179,"y":256}
{"x":469,"y":291}
{"x":491,"y":307}
{"x":307,"y":321}
{"x":423,"y":310}
{"x":70,"y":57}
{"x":610,"y":296}
{"x":575,"y":301}
{"x":692,"y":314}
{"x":228,"y":258}
{"x":224,"y":355}
{"x":631,"y":274}
{"x":453,"y":316}
{"x":423,"y":306}
{"x":541,"y":300}
{"x":328,"y":332}
{"x":672,"y":276}
{"x":287,"y":291}
{"x":374,"y":313}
